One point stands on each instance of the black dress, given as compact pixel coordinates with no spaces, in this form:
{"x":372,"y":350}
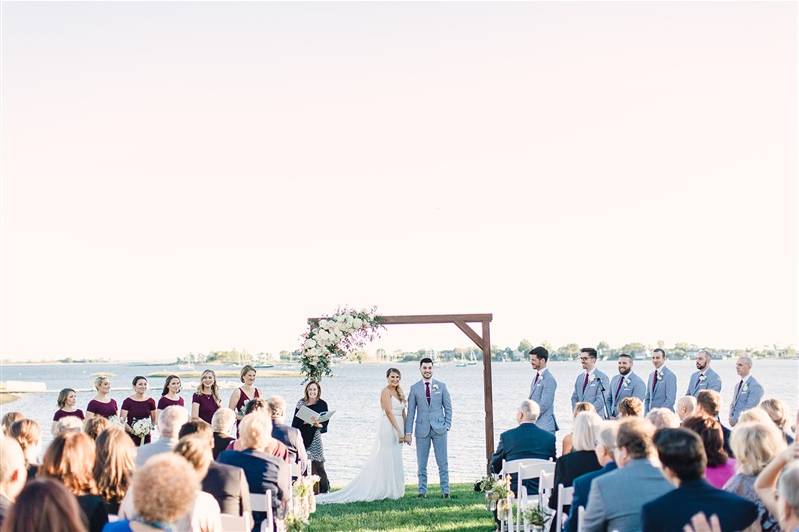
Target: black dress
{"x":567,"y":468}
{"x":312,"y":438}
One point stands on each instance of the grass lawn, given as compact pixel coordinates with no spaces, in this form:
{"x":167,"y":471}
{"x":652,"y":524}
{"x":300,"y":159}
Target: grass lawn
{"x":466,"y":511}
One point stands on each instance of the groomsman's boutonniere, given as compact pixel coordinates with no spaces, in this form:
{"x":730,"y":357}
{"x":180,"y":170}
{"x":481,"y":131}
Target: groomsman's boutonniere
{"x":745,"y":387}
{"x":660,"y":374}
{"x":435,"y":387}
{"x":626,"y":382}
{"x":702,"y":377}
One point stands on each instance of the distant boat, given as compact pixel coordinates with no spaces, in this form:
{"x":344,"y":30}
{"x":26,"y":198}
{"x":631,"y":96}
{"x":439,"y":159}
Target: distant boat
{"x":186,"y":367}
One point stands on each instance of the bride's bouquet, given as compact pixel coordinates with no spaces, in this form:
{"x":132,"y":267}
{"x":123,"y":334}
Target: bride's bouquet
{"x":142,"y":428}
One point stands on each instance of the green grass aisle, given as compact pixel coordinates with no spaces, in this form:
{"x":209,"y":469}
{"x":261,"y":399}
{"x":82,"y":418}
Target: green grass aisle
{"x":465,"y":511}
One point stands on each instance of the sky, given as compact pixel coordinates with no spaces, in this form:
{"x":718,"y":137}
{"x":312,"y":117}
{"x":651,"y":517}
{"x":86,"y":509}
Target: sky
{"x":187,"y":177}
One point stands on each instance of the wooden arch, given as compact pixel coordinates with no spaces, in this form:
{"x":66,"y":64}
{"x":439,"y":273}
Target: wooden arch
{"x":482,"y":341}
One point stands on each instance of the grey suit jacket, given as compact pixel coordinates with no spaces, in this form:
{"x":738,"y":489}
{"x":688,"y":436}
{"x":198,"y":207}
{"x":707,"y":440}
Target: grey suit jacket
{"x":663,"y":393}
{"x":712,"y":381}
{"x":543,"y":393}
{"x":616,"y":498}
{"x":632,"y":386}
{"x":434,"y":417}
{"x":163,"y":445}
{"x":747,"y":397}
{"x":593,"y":391}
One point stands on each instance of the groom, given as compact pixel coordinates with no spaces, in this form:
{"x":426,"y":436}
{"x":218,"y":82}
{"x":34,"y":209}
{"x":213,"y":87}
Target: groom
{"x":430,"y":405}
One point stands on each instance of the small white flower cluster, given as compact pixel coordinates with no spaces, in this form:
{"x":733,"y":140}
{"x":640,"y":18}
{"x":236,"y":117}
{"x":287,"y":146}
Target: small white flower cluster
{"x":142,"y":427}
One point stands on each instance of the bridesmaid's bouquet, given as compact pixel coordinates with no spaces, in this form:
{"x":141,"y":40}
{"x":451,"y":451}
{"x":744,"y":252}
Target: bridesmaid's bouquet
{"x":142,"y":428}
{"x":115,"y":421}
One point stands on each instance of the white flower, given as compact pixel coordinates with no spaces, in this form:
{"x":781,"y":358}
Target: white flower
{"x":357,"y":323}
{"x":309,"y":343}
{"x":324,"y":324}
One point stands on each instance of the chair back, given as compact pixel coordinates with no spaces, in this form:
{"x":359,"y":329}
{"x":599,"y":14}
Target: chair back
{"x":565,"y":496}
{"x":512,"y":466}
{"x":546,"y":483}
{"x":262,"y":502}
{"x":580,"y":518}
{"x":234,"y":523}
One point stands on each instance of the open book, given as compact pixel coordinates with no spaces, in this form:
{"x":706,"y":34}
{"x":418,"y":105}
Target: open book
{"x":307,"y":415}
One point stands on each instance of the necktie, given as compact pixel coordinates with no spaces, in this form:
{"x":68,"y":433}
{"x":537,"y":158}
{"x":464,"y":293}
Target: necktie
{"x":427,"y":391}
{"x":654,"y":381}
{"x":619,"y":387}
{"x":737,"y":391}
{"x":536,"y":379}
{"x":585,"y":382}
{"x":698,"y":381}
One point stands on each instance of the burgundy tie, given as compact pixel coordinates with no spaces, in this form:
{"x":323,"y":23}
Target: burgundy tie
{"x":427,"y":391}
{"x":619,"y":387}
{"x":585,"y":382}
{"x":536,"y":379}
{"x":654,"y":382}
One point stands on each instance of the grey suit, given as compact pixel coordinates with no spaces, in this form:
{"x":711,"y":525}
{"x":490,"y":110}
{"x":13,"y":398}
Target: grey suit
{"x":746,"y":397}
{"x":663,"y":393}
{"x":711,"y":381}
{"x":632,"y":386}
{"x":616,"y":498}
{"x":432,"y":421}
{"x":542,"y":391}
{"x":162,"y":445}
{"x":597,"y":387}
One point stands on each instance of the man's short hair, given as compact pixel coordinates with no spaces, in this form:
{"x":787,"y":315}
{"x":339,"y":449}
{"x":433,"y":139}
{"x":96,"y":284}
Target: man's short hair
{"x":171,"y":419}
{"x":663,"y":418}
{"x":277,"y":406}
{"x":681,"y":450}
{"x":788,"y":485}
{"x":590,"y":351}
{"x":625,"y":355}
{"x":608,"y":434}
{"x":659,"y":350}
{"x":196,"y":427}
{"x":710,"y":402}
{"x":425,"y":360}
{"x":530,"y":410}
{"x":689,"y":401}
{"x":635,"y":436}
{"x":540,"y":352}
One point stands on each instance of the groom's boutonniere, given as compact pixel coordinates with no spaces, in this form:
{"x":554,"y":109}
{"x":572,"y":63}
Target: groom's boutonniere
{"x":435,"y":387}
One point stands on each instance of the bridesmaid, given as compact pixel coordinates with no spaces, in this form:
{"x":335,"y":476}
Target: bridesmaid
{"x":245,"y":393}
{"x":102,"y":405}
{"x":138,"y":406}
{"x":312,"y":434}
{"x":206,"y":401}
{"x":67,"y":399}
{"x":170,"y":394}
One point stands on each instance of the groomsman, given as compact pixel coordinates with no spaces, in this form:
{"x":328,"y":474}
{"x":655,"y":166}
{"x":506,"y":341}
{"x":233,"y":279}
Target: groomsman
{"x":591,"y":385}
{"x":705,"y":378}
{"x":625,"y":384}
{"x":661,"y":386}
{"x":748,"y":393}
{"x":542,"y":390}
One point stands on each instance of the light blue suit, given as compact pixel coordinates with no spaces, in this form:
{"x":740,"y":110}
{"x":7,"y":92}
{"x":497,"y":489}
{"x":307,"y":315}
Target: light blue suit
{"x":432,"y":421}
{"x":543,"y":393}
{"x":747,"y":397}
{"x":664,"y":393}
{"x":593,"y":391}
{"x":633,"y":386}
{"x":712,"y":381}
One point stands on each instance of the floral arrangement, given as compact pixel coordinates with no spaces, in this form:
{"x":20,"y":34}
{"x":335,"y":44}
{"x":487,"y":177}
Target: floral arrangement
{"x":303,"y":503}
{"x":294,"y":524}
{"x":115,"y":421}
{"x":497,"y":490}
{"x":534,"y":516}
{"x":335,"y":336}
{"x":243,"y":410}
{"x":142,"y":427}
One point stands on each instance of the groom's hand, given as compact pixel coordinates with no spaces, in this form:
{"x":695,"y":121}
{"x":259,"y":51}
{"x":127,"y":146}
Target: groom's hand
{"x":408,"y":439}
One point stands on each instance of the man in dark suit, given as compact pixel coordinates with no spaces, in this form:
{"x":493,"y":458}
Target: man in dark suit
{"x":525,"y":441}
{"x":683,"y":459}
{"x":288,"y":435}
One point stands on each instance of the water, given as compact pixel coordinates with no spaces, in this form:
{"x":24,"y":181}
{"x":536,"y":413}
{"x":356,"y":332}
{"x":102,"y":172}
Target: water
{"x":353,"y":392}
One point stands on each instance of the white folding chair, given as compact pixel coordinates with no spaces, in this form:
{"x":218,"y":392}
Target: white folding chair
{"x":526,"y":472}
{"x":564,"y":499}
{"x":234,"y":523}
{"x":546,"y":483}
{"x":580,"y":517}
{"x":262,"y":502}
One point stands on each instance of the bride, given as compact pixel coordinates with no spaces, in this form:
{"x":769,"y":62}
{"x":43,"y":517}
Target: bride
{"x":381,"y":477}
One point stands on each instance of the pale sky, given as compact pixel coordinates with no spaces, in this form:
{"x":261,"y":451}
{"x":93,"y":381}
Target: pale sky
{"x":185,"y":177}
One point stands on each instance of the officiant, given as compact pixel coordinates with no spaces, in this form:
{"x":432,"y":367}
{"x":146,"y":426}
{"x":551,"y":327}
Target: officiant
{"x":312,"y":432}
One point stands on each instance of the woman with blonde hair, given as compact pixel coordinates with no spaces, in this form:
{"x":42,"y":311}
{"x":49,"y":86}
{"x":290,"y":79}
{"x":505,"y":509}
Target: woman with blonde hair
{"x":755,"y":445}
{"x":113,"y":467}
{"x":244,"y":393}
{"x":70,"y":459}
{"x":206,"y":401}
{"x":102,"y":405}
{"x":28,"y":435}
{"x":582,"y":406}
{"x":776,"y":411}
{"x":9,"y":419}
{"x":67,"y":401}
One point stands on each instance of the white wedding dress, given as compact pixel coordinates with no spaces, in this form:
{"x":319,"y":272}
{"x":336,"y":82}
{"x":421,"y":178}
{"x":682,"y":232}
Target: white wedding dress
{"x":382,"y":476}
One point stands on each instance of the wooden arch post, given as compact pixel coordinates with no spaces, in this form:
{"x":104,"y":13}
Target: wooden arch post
{"x":483,"y":341}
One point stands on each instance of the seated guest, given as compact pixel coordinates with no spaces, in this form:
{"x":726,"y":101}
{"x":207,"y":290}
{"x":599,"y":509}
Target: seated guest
{"x":28,"y":436}
{"x":67,"y":424}
{"x":113,"y":466}
{"x":606,"y":444}
{"x":615,"y":500}
{"x":778,"y":487}
{"x":525,"y":441}
{"x":95,"y":425}
{"x":172,"y":418}
{"x":631,"y":407}
{"x":663,"y":418}
{"x":70,"y":459}
{"x":776,"y":411}
{"x":263,"y":471}
{"x":708,"y":403}
{"x":226,"y":483}
{"x":45,"y":505}
{"x":9,"y":419}
{"x":582,"y":406}
{"x":581,"y":460}
{"x":720,"y":467}
{"x":686,"y":405}
{"x":222,"y":425}
{"x":163,"y":492}
{"x":275,"y":447}
{"x":286,"y":434}
{"x":757,"y":415}
{"x":683,"y":459}
{"x":12,"y":474}
{"x":205,"y":514}
{"x":755,"y":445}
